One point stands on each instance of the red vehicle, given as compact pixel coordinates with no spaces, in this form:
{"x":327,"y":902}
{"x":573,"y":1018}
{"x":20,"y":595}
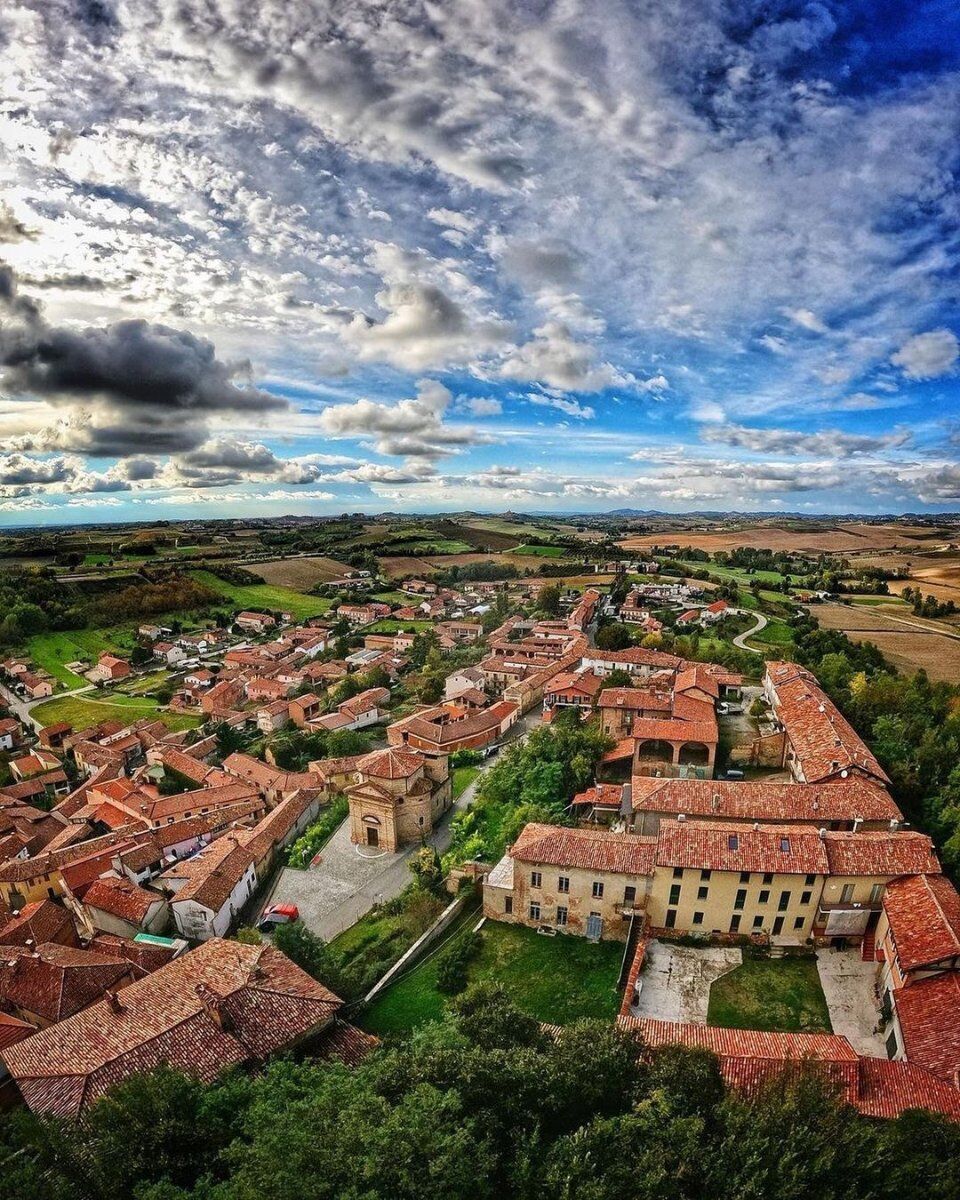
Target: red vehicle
{"x":277,"y":914}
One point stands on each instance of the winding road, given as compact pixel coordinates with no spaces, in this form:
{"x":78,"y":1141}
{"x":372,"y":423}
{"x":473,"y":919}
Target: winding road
{"x":740,"y":639}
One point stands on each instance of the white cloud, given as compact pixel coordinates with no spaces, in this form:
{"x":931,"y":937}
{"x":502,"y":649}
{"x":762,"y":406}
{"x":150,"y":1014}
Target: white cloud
{"x":928,"y":355}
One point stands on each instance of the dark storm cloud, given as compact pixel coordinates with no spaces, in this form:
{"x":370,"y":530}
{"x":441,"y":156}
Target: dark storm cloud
{"x":147,"y":386}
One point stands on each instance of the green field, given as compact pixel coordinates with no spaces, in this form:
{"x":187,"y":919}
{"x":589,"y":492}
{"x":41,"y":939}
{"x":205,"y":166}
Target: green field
{"x":51,"y":650}
{"x":389,"y":625}
{"x":556,"y":979}
{"x":539,"y":551}
{"x":81,"y":711}
{"x":745,"y":578}
{"x":461,"y":778}
{"x":775,"y":633}
{"x":264,"y":595}
{"x":771,"y":994}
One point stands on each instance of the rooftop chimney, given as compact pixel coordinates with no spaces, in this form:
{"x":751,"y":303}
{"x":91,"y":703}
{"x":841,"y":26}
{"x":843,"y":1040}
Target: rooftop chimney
{"x":114,"y":1001}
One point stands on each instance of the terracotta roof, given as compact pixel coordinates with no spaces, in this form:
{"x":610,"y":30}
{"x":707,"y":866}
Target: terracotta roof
{"x":841,"y":800}
{"x":55,"y":981}
{"x":590,"y":849}
{"x":928,"y":1012}
{"x":924,"y":916}
{"x":13,"y":1030}
{"x":121,"y":898}
{"x":41,"y":921}
{"x":635,"y":699}
{"x":722,"y":846}
{"x":220,"y":1005}
{"x":604,"y":795}
{"x":906,"y":852}
{"x":674,"y":730}
{"x":143,"y":957}
{"x":390,"y":764}
{"x":345,"y":1043}
{"x":750,"y":1059}
{"x":365,"y":701}
{"x":213,"y":873}
{"x":823,"y":740}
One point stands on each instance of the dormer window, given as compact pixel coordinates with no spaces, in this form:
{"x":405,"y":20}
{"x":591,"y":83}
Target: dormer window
{"x":785,"y":845}
{"x":733,"y":842}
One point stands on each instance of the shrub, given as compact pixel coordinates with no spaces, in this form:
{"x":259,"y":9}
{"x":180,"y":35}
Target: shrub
{"x":453,"y":964}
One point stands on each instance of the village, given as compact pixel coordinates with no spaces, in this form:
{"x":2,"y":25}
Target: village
{"x":132,"y":852}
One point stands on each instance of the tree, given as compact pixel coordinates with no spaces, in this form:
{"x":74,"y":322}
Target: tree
{"x":615,"y":636}
{"x":618,"y":679}
{"x":426,"y":868}
{"x":548,"y":599}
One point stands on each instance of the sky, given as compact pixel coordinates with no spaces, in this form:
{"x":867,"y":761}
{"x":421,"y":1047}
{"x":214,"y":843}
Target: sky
{"x":296,"y":256}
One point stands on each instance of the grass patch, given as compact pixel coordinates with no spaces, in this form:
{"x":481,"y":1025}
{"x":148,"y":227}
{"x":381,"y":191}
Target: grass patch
{"x":79,"y":711}
{"x":368,"y":949}
{"x":389,"y":625}
{"x":265,"y":595}
{"x":51,"y":650}
{"x":461,"y":778}
{"x":556,"y":979}
{"x":774,"y":633}
{"x":771,"y":994}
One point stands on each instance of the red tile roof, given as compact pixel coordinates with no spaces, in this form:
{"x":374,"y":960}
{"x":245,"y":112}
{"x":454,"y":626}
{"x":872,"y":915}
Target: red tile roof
{"x":220,"y":1005}
{"x":928,"y":1013}
{"x":590,"y":849}
{"x":924,"y":916}
{"x":55,"y":981}
{"x":119,"y":897}
{"x":722,"y":846}
{"x":390,"y":764}
{"x":761,"y":801}
{"x":866,"y":852}
{"x":674,"y":730}
{"x":13,"y":1030}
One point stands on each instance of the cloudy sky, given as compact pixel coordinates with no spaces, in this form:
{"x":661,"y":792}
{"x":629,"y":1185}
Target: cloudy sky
{"x":271,"y":256}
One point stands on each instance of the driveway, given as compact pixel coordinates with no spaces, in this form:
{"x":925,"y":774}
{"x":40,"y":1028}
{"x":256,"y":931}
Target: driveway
{"x":849,"y":985}
{"x":740,"y":639}
{"x":349,"y":880}
{"x":677,"y":979}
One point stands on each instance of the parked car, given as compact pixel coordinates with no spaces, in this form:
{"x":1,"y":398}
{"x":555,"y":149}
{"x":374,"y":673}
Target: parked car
{"x":734,"y":774}
{"x":277,"y":914}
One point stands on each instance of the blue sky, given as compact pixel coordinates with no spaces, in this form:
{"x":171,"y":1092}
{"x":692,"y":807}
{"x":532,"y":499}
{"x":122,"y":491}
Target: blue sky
{"x":302,"y":257}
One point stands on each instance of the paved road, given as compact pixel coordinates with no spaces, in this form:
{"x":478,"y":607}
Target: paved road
{"x":740,"y":641}
{"x":349,"y":880}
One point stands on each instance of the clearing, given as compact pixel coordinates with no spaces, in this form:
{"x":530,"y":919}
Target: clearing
{"x":300,"y":574}
{"x":909,"y":642}
{"x":264,"y":595}
{"x":51,"y":650}
{"x":555,"y":979}
{"x":773,"y":994}
{"x":83,"y":711}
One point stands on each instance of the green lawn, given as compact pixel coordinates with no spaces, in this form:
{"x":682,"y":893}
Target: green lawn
{"x":738,"y":573}
{"x":771,"y":994}
{"x":264,"y":595}
{"x":394,"y":597}
{"x":81,"y":711}
{"x":775,"y":633}
{"x":461,"y":779}
{"x":389,"y":625}
{"x":51,"y":650}
{"x":368,"y":949}
{"x":556,"y":979}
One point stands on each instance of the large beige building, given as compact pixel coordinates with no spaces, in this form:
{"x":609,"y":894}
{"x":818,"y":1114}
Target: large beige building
{"x":397,"y":798}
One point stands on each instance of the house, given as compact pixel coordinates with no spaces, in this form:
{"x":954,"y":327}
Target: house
{"x":715,"y":612}
{"x":109,"y":667}
{"x":114,"y":904}
{"x":690,"y":617}
{"x":37,"y":923}
{"x":52,"y":737}
{"x":397,"y":797}
{"x":272,"y":717}
{"x":222,"y":698}
{"x":572,"y":689}
{"x":304,"y":709}
{"x":454,"y":725}
{"x":211,"y":888}
{"x":200,"y":1014}
{"x":10,"y":733}
{"x":464,"y":679}
{"x":35,"y":687}
{"x":47,"y":983}
{"x":254,"y":622}
{"x":171,"y":654}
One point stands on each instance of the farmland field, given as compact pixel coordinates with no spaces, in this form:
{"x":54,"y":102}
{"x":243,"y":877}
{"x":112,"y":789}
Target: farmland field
{"x":85,"y":710}
{"x":839,"y":539}
{"x":300,"y":574}
{"x":396,"y":566}
{"x":264,"y":595}
{"x":540,"y":551}
{"x":909,"y":642}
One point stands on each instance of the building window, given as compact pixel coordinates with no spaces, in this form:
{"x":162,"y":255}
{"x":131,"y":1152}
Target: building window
{"x":698,"y":918}
{"x":535,"y":879}
{"x":846,"y":893}
{"x":784,"y":902}
{"x":674,"y":893}
{"x":678,"y":872}
{"x":629,"y":895}
{"x":702,"y":893}
{"x":798,"y":922}
{"x":768,"y":877}
{"x":741,"y":898}
{"x":671,"y":918}
{"x":705,"y":875}
{"x":805,"y":897}
{"x":757,"y":922}
{"x":561,"y":915}
{"x":563,"y":884}
{"x":810,"y":881}
{"x":534,"y":911}
{"x":597,"y":890}
{"x":733,"y":842}
{"x":735,"y":923}
{"x":744,"y":876}
{"x":764,"y":897}
{"x":876,"y":893}
{"x":508,"y":905}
